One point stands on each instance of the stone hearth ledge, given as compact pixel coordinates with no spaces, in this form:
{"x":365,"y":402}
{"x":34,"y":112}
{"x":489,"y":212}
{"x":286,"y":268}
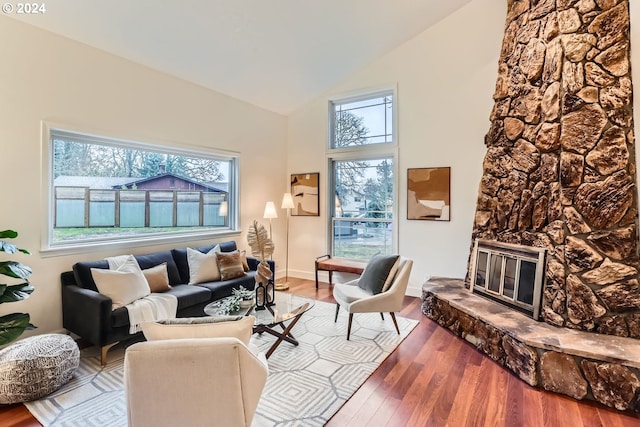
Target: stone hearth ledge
{"x":607,"y":348}
{"x":582,"y":365}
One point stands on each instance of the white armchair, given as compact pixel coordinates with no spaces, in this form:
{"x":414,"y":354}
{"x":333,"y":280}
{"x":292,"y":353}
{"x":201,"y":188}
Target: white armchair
{"x":193,"y":382}
{"x":354,"y":299}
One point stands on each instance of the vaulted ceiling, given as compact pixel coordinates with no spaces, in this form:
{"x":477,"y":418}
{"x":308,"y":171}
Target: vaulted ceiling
{"x":276,"y":54}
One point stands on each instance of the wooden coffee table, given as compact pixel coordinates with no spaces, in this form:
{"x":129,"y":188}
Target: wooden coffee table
{"x":276,"y":320}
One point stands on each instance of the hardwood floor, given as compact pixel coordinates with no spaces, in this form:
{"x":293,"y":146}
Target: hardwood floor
{"x":436,"y":379}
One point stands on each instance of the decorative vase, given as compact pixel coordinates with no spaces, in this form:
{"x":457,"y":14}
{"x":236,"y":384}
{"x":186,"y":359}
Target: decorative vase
{"x":270,"y":293}
{"x":261,"y":296}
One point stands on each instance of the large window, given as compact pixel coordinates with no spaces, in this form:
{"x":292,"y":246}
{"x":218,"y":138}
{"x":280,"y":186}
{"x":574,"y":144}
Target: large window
{"x":103,"y":189}
{"x":362,"y":165}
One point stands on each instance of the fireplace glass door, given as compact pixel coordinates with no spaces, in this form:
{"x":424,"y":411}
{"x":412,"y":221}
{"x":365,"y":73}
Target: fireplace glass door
{"x":510,"y":275}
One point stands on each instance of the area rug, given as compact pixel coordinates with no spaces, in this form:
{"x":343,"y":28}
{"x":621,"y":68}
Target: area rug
{"x":307,"y":384}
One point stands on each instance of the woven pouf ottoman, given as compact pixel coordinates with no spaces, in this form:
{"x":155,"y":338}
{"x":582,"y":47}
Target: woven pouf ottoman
{"x":36,"y":366}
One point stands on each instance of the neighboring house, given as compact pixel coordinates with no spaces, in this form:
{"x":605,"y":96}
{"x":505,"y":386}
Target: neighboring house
{"x":166,"y":181}
{"x":169,"y":181}
{"x":353,"y":204}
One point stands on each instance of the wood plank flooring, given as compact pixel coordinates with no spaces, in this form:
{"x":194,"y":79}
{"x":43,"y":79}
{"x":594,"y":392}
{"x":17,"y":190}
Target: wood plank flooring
{"x":435,"y":379}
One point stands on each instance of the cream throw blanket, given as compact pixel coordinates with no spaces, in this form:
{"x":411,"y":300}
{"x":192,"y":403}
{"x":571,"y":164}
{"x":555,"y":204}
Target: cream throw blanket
{"x":151,"y":308}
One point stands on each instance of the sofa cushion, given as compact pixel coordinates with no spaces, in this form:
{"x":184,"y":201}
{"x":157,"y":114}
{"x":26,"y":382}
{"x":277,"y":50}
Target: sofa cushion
{"x":228,"y":246}
{"x":376,"y":272}
{"x":225,"y":288}
{"x":82,"y":273}
{"x":230,"y":265}
{"x":208,"y":327}
{"x":203,"y":267}
{"x":157,"y":278}
{"x":156,"y":258}
{"x":190,"y":295}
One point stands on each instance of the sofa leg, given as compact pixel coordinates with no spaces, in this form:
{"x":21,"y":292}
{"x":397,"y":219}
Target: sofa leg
{"x":395,"y":322}
{"x":103,"y":352}
{"x":337,"y":310}
{"x":349,"y":327}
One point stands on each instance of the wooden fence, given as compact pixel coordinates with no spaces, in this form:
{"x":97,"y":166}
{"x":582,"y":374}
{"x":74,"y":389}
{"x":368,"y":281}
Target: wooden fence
{"x":83,"y":207}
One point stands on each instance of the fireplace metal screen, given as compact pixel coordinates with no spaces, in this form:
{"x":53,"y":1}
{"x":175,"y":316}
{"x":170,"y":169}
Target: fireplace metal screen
{"x":509,"y":274}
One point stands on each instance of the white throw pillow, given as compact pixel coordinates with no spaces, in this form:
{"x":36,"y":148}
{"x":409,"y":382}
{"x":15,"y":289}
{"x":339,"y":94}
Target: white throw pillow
{"x":241,"y":329}
{"x":123,"y":287}
{"x":203,"y":267}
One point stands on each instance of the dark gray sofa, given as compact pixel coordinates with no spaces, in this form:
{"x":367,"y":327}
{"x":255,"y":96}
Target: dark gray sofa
{"x":88,"y":313}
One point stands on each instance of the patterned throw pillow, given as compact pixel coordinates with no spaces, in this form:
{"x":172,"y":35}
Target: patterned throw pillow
{"x":245,"y":263}
{"x":230,"y":265}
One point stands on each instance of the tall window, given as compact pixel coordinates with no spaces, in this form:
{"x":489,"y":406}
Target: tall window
{"x":362,"y":164}
{"x":103,"y":189}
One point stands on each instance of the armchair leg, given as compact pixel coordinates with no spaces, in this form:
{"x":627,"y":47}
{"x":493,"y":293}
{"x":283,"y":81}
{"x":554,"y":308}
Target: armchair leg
{"x":349,"y":327}
{"x":393,"y":316}
{"x":103,"y":352}
{"x":337,"y":310}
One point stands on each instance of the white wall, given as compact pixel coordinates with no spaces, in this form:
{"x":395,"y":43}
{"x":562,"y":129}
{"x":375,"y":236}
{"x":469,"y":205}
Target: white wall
{"x":445,"y":79}
{"x":47,"y":77}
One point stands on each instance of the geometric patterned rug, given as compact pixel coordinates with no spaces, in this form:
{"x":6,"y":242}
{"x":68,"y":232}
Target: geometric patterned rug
{"x":307,"y":384}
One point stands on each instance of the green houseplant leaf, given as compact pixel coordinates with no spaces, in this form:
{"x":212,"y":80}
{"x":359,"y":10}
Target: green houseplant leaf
{"x":13,"y":293}
{"x":15,"y":269}
{"x":8,"y":234}
{"x":14,"y":324}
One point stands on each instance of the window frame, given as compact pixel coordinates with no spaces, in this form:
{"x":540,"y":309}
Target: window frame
{"x":50,"y":248}
{"x":362,"y":96}
{"x":362,"y":152}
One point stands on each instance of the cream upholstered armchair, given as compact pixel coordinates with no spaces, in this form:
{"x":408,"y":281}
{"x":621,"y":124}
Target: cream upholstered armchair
{"x":355,"y":298}
{"x":193,"y":382}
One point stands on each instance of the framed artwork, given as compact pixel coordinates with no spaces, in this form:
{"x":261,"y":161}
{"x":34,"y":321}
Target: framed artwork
{"x":305,"y":191}
{"x":429,"y":193}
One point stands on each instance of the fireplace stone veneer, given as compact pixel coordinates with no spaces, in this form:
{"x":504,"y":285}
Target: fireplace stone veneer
{"x":559,"y":171}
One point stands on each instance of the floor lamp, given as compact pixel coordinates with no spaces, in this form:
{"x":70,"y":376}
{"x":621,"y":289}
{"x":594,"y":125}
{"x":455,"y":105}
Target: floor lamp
{"x":270,"y":213}
{"x":287,"y":203}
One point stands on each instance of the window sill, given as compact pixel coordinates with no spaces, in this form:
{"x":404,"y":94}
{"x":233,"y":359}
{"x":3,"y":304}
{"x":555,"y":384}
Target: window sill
{"x":101,"y":246}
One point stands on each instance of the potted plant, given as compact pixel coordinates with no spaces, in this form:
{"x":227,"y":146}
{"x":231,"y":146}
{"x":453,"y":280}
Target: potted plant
{"x":14,"y":324}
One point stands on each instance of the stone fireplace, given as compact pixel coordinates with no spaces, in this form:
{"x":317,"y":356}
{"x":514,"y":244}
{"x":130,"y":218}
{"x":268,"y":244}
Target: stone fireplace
{"x":559,"y":172}
{"x":559,"y":175}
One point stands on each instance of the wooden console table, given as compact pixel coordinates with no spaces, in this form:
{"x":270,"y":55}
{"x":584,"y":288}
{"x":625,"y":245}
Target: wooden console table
{"x":326,"y":263}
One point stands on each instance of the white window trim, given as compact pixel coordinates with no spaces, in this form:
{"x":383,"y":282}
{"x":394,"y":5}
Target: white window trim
{"x":47,"y":249}
{"x":368,"y":151}
{"x":359,"y":96}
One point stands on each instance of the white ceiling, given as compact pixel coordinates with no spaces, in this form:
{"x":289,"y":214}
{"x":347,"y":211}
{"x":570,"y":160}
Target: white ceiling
{"x":276,"y":54}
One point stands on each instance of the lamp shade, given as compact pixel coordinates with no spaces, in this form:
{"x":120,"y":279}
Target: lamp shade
{"x":270,"y":211}
{"x":287,"y":201}
{"x":224,"y":208}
